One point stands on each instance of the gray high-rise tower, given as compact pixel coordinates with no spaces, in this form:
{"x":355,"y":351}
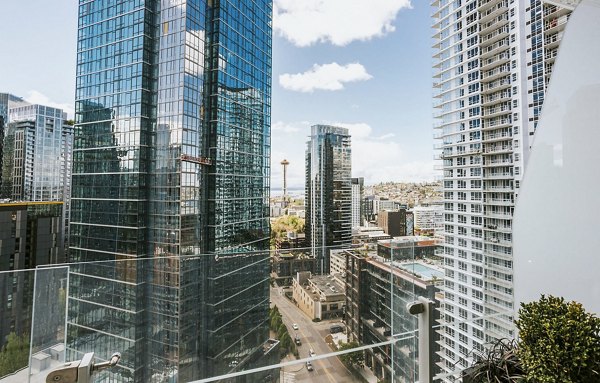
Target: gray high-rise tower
{"x":171,"y":164}
{"x":328,"y":197}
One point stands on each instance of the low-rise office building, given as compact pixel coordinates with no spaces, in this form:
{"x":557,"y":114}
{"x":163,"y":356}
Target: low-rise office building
{"x":368,"y":235}
{"x":319,"y":296}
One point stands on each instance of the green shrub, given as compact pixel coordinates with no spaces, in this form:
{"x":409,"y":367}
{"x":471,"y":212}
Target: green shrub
{"x":559,"y":341}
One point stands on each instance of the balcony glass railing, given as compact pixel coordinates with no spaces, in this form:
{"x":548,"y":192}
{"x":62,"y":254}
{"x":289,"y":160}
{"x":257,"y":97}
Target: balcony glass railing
{"x":244,"y":316}
{"x":236,"y":316}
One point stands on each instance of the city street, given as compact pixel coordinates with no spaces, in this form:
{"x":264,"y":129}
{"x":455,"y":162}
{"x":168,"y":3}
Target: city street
{"x":330,"y":370}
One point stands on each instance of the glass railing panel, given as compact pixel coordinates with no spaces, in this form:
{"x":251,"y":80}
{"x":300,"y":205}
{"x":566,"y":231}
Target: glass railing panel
{"x":48,"y":324}
{"x":16,"y":306}
{"x":236,"y":316}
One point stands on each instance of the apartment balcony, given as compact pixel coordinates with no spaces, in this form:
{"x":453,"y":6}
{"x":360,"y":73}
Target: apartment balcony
{"x":496,"y":123}
{"x":499,"y":281}
{"x":499,"y":59}
{"x":498,"y":214}
{"x":497,"y":85}
{"x":498,"y":294}
{"x":552,"y":41}
{"x":499,"y":201}
{"x":495,"y":10}
{"x":550,"y":56}
{"x":498,"y":189}
{"x":553,"y":12}
{"x":494,"y":36}
{"x":498,"y":267}
{"x":492,"y":137}
{"x":493,"y":24}
{"x":484,"y":5}
{"x":555,"y":25}
{"x":451,"y":154}
{"x":496,"y":111}
{"x":498,"y":149}
{"x":496,"y":98}
{"x":496,"y":163}
{"x":493,"y":74}
{"x":493,"y":49}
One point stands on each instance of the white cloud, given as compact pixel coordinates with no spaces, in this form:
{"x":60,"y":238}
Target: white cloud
{"x":386,"y":136}
{"x":325,"y":77}
{"x":283,"y":127}
{"x":376,"y":158}
{"x":339,"y":22}
{"x":35,"y":97}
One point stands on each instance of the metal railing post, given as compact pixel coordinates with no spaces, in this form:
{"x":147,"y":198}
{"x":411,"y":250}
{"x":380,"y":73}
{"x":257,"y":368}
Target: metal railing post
{"x":423,"y":309}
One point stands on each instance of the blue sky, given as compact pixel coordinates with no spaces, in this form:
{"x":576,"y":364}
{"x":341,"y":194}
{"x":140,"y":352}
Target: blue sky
{"x":364,"y":65}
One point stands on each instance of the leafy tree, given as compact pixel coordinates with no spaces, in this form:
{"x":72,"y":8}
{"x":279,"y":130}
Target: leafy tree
{"x":283,"y":224}
{"x":559,"y":341}
{"x":15,"y":354}
{"x":353,"y":358}
{"x":281,"y":331}
{"x":276,"y":322}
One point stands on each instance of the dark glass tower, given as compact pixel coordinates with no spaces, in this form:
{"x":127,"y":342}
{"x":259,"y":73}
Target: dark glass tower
{"x":328,"y":196}
{"x":171,"y":186}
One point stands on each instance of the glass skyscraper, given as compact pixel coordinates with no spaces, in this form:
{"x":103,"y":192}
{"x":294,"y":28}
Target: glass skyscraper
{"x":171,"y":186}
{"x":328,"y":196}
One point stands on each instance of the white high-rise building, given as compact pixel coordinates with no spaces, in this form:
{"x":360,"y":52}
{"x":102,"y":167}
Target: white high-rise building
{"x":429,"y":219}
{"x":491,"y":66}
{"x":358,"y":191}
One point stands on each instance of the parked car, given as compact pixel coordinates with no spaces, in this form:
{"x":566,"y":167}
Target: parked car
{"x":297,"y":340}
{"x":309,"y":366}
{"x":295,"y":326}
{"x":311,"y":353}
{"x":336,"y":328}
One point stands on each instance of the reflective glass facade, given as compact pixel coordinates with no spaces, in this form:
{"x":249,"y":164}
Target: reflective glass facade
{"x":328,"y":195}
{"x":171,"y":162}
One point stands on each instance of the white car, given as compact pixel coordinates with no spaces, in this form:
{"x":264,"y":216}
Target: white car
{"x":311,"y":353}
{"x":295,"y":326}
{"x":309,"y":366}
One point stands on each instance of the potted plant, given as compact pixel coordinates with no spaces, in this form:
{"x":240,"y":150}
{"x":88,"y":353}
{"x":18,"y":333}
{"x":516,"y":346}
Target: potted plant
{"x":497,"y":363}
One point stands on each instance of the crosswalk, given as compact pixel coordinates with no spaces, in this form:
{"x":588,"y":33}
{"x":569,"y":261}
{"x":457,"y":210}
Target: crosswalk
{"x":289,"y":377}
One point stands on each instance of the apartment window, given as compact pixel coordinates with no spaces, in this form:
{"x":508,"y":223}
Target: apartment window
{"x":472,"y":76}
{"x":473,"y":88}
{"x":472,"y":64}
